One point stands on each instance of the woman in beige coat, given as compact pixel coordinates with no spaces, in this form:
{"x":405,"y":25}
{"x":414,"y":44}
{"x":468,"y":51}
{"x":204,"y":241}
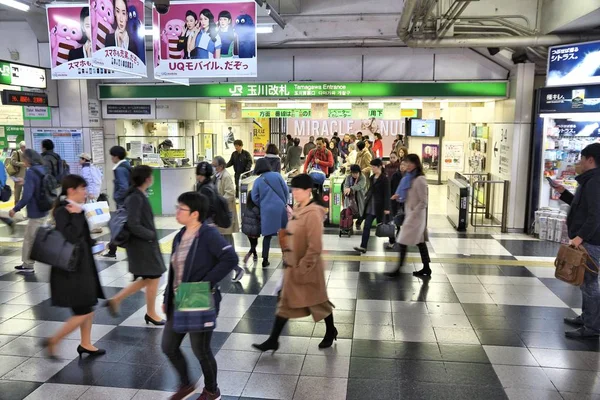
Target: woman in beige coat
{"x":226,"y":188}
{"x":304,"y":290}
{"x":413,"y":192}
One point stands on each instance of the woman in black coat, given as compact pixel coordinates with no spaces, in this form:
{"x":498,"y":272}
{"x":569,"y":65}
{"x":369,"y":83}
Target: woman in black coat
{"x":251,"y":227}
{"x":143,"y":250}
{"x":80,"y":289}
{"x":377,"y":203}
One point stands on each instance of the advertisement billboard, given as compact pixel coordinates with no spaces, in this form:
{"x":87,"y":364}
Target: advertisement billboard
{"x":118,"y":35}
{"x":70,"y":33}
{"x":199,"y":39}
{"x":574,"y":64}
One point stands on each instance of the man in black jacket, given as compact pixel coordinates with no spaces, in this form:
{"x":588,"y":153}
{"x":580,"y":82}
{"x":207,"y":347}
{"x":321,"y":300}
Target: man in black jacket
{"x":241,"y":161}
{"x":583,"y":223}
{"x":52,"y":161}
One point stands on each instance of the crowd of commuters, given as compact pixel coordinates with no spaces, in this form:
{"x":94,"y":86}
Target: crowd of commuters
{"x":204,"y":248}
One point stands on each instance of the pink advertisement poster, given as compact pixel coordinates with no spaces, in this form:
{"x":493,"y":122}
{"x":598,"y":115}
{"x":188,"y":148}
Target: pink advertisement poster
{"x":206,"y":40}
{"x":118,"y":35}
{"x":70,"y":33}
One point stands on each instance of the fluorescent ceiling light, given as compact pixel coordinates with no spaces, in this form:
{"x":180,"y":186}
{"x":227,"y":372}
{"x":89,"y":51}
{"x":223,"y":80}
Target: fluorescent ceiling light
{"x":264,"y":28}
{"x":15,"y":4}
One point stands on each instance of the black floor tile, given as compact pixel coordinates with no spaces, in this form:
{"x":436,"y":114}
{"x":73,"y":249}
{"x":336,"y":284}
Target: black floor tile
{"x":422,"y":371}
{"x":348,"y":266}
{"x":260,"y":313}
{"x":483,"y":309}
{"x":265,"y":301}
{"x":166,"y":378}
{"x":374,"y":368}
{"x":530,"y":248}
{"x":557,"y":341}
{"x":144,"y":355}
{"x":472,"y":374}
{"x":464,"y":353}
{"x":491,"y":337}
{"x":82,"y":371}
{"x":430,"y":391}
{"x":253,"y":326}
{"x":510,"y":270}
{"x":16,"y":390}
{"x":126,"y":376}
{"x":128,"y":334}
{"x":375,"y":349}
{"x":489,"y":322}
{"x":360,"y":389}
{"x":115,"y":350}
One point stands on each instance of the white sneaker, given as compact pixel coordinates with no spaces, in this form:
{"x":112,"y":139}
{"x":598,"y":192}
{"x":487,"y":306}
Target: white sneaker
{"x":238,"y":275}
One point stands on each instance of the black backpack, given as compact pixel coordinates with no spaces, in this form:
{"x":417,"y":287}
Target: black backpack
{"x":45,"y":195}
{"x":219,"y":207}
{"x":62,"y":168}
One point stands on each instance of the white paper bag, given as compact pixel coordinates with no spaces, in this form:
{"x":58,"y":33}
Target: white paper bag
{"x":97,"y":214}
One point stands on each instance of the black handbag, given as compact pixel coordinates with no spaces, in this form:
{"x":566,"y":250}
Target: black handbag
{"x":50,"y":247}
{"x":5,"y":193}
{"x":386,"y":229}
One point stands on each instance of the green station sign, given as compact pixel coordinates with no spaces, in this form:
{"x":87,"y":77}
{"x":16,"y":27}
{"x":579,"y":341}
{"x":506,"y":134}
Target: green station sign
{"x":308,"y":90}
{"x":22,"y":75}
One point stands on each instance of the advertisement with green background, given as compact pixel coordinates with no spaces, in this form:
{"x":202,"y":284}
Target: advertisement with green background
{"x":155,"y":192}
{"x":307,"y":90}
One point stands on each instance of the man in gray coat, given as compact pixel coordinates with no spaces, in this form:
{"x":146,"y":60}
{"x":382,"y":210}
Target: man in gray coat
{"x":308,"y":147}
{"x":356,"y":186}
{"x":294,"y":156}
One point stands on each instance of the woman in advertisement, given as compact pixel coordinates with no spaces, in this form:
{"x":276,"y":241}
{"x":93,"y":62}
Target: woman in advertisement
{"x":86,"y":27}
{"x":191,"y":22}
{"x":122,"y":38}
{"x":207,"y":43}
{"x":226,"y":33}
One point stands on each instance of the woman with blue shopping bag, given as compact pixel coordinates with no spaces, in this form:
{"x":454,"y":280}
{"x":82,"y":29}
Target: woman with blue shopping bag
{"x":200,"y":259}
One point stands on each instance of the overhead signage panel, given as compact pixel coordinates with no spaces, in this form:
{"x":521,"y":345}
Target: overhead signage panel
{"x":309,"y":90}
{"x":574,"y":64}
{"x":70,"y":33}
{"x":205,"y":39}
{"x":22,"y":75}
{"x":570,"y":99}
{"x":118,"y":35}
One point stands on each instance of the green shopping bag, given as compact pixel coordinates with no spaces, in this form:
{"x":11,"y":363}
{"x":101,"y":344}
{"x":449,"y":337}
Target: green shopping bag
{"x":194,"y":308}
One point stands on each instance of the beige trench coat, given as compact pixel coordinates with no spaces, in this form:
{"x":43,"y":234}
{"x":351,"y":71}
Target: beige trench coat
{"x":226,"y":188}
{"x":414,"y":228}
{"x":304,"y":278}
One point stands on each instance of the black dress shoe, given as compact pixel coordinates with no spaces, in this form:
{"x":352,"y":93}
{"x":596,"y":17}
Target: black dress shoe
{"x":265,"y":263}
{"x":577,"y":321}
{"x":582,"y":333}
{"x":423,"y":272}
{"x":152,"y":321}
{"x":92,"y":353}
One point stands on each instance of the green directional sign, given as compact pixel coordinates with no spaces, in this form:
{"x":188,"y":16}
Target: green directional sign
{"x":308,"y":90}
{"x":22,"y":75}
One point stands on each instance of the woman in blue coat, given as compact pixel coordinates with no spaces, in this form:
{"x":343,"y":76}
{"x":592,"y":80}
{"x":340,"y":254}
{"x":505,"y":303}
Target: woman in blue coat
{"x":270,"y":193}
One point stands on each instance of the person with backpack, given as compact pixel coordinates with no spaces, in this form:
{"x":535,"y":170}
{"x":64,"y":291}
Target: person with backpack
{"x":56,"y":166}
{"x":145,"y":260}
{"x":122,"y":171}
{"x":17,"y":170}
{"x":218,"y":207}
{"x":92,"y":176}
{"x":319,"y":157}
{"x":270,"y":192}
{"x":38,"y":201}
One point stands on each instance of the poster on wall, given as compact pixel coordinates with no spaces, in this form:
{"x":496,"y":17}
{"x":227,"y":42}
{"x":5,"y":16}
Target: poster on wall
{"x":574,"y":64}
{"x":200,"y":39}
{"x":70,"y":34}
{"x":503,"y":148}
{"x":97,"y":141}
{"x":10,"y":136}
{"x":118,"y":35}
{"x":67,"y":142}
{"x":261,"y":134}
{"x":431,"y":157}
{"x":454,"y":156}
{"x":229,"y":136}
{"x":303,"y":128}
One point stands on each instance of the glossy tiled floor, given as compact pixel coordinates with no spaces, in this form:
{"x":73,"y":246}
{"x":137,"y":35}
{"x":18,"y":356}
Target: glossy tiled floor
{"x":487,"y":325}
